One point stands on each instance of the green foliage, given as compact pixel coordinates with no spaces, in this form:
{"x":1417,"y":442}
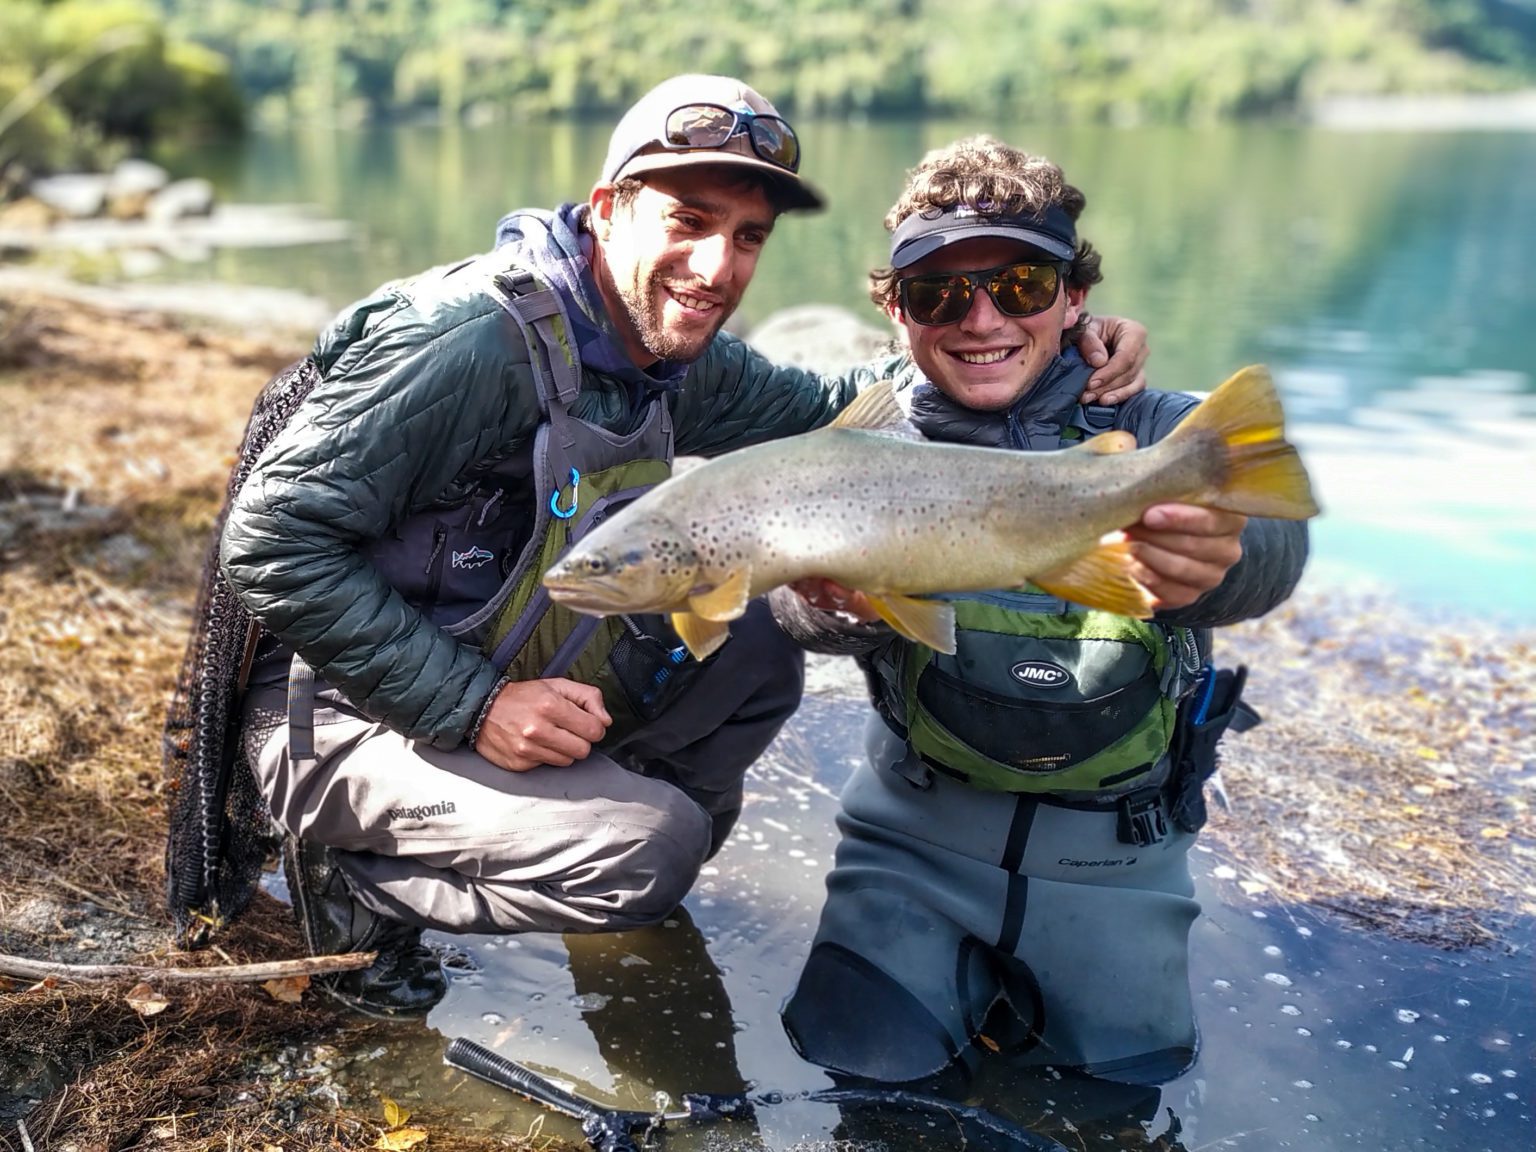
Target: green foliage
{"x":82,"y":81}
{"x":1076,"y":60}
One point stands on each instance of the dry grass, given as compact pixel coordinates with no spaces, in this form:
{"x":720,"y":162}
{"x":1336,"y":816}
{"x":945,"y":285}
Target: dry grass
{"x":116,"y":437}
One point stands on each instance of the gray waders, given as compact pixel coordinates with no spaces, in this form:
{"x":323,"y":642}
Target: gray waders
{"x":946,"y":899}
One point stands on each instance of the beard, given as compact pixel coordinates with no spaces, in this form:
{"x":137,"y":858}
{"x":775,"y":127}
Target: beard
{"x":644,"y":303}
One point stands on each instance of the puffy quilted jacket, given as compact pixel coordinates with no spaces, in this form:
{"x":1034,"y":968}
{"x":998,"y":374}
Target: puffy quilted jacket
{"x":426,"y":387}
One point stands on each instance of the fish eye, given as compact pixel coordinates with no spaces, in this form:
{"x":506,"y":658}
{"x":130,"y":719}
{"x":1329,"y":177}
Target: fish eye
{"x":595,"y":565}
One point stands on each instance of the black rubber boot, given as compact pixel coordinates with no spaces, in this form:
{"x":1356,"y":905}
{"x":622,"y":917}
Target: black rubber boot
{"x":405,"y":980}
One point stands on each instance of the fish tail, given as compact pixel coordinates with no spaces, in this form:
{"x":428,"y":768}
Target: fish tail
{"x":1263,"y":474}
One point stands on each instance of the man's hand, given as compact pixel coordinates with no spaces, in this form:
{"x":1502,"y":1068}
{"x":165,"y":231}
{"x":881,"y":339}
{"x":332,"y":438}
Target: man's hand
{"x":1117,"y":348}
{"x":534,"y":722}
{"x":830,"y":596}
{"x":1183,"y":551}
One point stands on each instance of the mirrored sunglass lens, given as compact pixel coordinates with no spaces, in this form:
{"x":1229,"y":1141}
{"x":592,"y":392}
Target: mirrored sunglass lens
{"x":700,"y":126}
{"x":776,"y":141}
{"x":1024,"y":289}
{"x":938,"y":299}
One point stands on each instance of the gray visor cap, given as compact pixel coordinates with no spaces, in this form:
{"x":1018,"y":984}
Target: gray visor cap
{"x":924,"y":233}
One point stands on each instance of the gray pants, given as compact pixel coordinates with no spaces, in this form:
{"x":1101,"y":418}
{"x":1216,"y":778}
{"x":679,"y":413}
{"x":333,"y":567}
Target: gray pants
{"x":945,"y":901}
{"x":447,"y":840}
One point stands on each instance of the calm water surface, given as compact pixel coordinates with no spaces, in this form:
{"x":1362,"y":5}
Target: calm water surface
{"x":1385,"y":278}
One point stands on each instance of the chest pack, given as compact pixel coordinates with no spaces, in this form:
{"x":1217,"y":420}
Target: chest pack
{"x":219,"y":834}
{"x":1040,"y":695}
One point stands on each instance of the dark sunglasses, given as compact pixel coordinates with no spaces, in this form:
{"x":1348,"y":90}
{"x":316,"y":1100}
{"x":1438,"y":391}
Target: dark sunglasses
{"x":711,"y":125}
{"x":945,"y":297}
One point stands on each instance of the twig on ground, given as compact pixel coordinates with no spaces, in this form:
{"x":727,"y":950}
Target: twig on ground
{"x":228,"y":974}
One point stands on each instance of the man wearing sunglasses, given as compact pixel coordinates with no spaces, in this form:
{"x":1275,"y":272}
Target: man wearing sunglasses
{"x":1012,"y":872}
{"x":440,"y":747}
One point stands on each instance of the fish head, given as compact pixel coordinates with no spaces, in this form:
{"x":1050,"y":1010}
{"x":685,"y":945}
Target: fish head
{"x":629,"y":564}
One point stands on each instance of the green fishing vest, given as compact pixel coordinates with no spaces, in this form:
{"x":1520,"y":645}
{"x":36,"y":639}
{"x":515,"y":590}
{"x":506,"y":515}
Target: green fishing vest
{"x":582,"y":473}
{"x":1043,"y":696}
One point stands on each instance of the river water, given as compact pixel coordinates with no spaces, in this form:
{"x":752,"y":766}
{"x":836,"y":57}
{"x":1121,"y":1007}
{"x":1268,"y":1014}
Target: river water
{"x":1385,"y":278}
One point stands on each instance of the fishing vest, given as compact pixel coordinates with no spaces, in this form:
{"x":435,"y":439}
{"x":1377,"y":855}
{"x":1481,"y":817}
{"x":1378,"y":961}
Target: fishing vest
{"x":1040,"y":695}
{"x":580,"y":474}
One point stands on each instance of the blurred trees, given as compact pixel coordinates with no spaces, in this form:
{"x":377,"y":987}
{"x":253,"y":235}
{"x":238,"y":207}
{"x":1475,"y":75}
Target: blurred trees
{"x":1122,"y":60}
{"x":85,"y":81}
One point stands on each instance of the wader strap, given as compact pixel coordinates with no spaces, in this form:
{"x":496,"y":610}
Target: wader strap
{"x":301,"y":711}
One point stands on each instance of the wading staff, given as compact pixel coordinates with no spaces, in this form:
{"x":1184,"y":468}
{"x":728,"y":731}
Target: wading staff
{"x":612,"y":1130}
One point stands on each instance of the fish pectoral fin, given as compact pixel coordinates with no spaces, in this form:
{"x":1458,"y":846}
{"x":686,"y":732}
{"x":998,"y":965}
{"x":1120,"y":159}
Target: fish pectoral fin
{"x":1100,"y":578}
{"x":1108,"y":443}
{"x":700,"y":636}
{"x":930,"y":622}
{"x":726,"y":600}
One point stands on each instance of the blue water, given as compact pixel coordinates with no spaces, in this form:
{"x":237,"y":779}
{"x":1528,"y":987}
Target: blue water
{"x":1385,"y":277}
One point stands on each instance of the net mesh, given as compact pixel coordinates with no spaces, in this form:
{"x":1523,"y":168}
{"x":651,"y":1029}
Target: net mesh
{"x":220,"y":830}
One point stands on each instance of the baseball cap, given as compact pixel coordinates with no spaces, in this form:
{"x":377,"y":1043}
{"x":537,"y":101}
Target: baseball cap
{"x":638,"y":144}
{"x":923,"y":233}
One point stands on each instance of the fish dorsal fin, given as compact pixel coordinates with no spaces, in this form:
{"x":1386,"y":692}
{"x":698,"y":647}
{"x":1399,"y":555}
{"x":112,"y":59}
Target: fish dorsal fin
{"x":1100,"y":578}
{"x":875,"y":409}
{"x":930,"y":622}
{"x":726,"y":600}
{"x":1107,"y":443}
{"x":700,"y":636}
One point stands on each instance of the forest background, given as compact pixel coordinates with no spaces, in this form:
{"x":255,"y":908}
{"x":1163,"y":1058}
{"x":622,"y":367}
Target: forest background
{"x":84,"y":80}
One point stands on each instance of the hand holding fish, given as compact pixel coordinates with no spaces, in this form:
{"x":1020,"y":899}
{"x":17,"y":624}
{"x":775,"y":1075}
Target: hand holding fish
{"x":535,"y":722}
{"x":830,"y":596}
{"x":1182,"y":551}
{"x":1121,"y":376}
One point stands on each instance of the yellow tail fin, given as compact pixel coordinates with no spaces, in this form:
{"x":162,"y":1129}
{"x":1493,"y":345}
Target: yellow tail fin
{"x":1265,"y":476}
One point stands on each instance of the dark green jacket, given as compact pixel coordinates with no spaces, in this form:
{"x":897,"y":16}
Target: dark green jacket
{"x":426,"y":388}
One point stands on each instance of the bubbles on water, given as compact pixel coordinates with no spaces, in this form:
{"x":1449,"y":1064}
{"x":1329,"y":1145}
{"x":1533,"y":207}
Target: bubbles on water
{"x":1290,"y":1010}
{"x":1223,"y":984}
{"x":590,"y":1001}
{"x":1311,"y":1117}
{"x":1224,"y":872}
{"x":1278,"y":978}
{"x":1463,"y":1002}
{"x":1272,"y":950}
{"x":1406,"y":1015}
{"x":493,"y":1019}
{"x":1398,"y":1064}
{"x":1508,"y":1073}
{"x":1480,"y":1078}
{"x":1301,"y":1083}
{"x":1439,"y":1039}
{"x":1345,"y":1044}
{"x":1303,"y":930}
{"x":1303,"y":1031}
{"x":1259,"y":914}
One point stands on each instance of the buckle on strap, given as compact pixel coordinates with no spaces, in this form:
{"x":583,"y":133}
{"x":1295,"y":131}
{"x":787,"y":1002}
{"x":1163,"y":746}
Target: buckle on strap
{"x":1140,"y":819}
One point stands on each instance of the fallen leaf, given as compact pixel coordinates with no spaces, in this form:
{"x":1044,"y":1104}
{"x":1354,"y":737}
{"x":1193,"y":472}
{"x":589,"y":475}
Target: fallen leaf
{"x":401,"y":1139}
{"x":990,"y":1043}
{"x":1426,"y":753}
{"x":289,"y":989}
{"x":145,"y":1000}
{"x":1493,"y":832}
{"x":394,"y":1115}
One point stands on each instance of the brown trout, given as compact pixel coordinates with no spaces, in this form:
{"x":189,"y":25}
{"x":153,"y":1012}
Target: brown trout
{"x":896,"y":517}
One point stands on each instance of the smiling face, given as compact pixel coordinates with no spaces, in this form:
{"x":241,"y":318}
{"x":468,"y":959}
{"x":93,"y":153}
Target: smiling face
{"x":987,"y":360}
{"x":673,"y":263}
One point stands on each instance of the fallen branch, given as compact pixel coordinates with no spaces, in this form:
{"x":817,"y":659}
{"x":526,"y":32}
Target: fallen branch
{"x":226,"y":974}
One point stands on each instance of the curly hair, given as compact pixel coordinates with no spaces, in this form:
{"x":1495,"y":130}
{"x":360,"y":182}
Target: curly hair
{"x":996,"y":180}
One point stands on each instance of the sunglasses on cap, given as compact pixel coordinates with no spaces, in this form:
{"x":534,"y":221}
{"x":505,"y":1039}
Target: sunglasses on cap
{"x":711,"y":125}
{"x":1018,"y":290}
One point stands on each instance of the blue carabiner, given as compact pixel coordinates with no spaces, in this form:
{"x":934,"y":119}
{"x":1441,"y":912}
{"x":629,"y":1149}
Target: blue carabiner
{"x":554,"y":499}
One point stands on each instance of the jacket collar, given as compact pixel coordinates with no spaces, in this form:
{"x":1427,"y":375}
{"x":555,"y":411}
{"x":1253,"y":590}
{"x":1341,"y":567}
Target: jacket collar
{"x":1034,"y":421}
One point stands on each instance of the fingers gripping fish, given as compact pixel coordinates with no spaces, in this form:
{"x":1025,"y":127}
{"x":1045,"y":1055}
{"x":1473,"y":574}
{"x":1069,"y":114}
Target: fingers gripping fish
{"x":898,"y":518}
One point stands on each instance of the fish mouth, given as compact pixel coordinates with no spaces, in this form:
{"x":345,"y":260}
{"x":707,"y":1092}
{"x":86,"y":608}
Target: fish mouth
{"x":585,"y":596}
